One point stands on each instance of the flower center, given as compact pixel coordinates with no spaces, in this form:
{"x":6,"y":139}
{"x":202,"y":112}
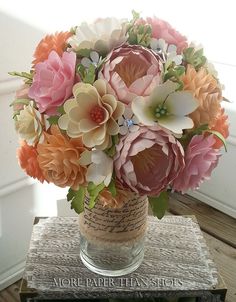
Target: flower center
{"x":161,"y":111}
{"x":128,"y":123}
{"x":97,"y":114}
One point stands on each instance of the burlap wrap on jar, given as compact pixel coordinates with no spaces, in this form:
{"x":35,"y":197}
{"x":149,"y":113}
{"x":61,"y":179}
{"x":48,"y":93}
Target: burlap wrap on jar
{"x":123,"y":225}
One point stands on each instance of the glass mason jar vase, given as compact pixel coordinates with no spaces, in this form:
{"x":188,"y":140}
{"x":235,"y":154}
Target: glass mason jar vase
{"x":112,"y":240}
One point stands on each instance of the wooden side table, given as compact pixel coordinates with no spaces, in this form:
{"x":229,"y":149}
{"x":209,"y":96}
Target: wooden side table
{"x":176,"y":264}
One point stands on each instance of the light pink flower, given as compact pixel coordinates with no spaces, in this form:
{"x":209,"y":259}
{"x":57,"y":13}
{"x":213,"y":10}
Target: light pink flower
{"x":53,"y":82}
{"x":200,"y":159}
{"x":148,"y":160}
{"x":131,"y":71}
{"x":163,"y":30}
{"x":21,"y":94}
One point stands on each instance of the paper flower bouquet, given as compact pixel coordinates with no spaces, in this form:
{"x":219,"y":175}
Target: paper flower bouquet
{"x":119,"y":107}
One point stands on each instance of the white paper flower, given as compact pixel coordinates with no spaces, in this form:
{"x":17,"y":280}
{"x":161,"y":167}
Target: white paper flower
{"x":94,"y":59}
{"x":102,"y":35}
{"x":128,"y":122}
{"x":166,"y":106}
{"x":100,"y":166}
{"x":28,"y":124}
{"x":169,"y":51}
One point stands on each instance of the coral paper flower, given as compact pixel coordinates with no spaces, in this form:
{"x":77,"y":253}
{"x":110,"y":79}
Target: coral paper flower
{"x":59,"y":160}
{"x":208,"y":93}
{"x":131,"y":71}
{"x":200,"y":159}
{"x":27,"y":157}
{"x":221,"y":126}
{"x":53,"y":82}
{"x":28,"y":124}
{"x":56,"y":42}
{"x":148,"y":160}
{"x":166,"y":106}
{"x":92,"y":114}
{"x":163,"y":30}
{"x":102,"y":36}
{"x":100,"y":166}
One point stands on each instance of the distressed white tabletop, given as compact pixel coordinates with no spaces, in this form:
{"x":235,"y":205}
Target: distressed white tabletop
{"x":176,"y":263}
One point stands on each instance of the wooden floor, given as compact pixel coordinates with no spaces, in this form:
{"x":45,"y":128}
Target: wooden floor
{"x":219,"y":231}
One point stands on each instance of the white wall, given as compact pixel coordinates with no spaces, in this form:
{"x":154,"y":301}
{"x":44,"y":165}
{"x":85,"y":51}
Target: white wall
{"x":22,"y":24}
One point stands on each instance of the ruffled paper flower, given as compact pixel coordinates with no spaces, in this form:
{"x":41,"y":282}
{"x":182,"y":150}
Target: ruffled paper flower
{"x":206,"y":90}
{"x":28,"y":124}
{"x":21,"y":99}
{"x":148,"y":160}
{"x":100,"y":166}
{"x":200,"y":160}
{"x":103,"y":35}
{"x":53,"y":82}
{"x":56,"y":42}
{"x":166,"y":106}
{"x":59,"y":159}
{"x":128,"y":122}
{"x":92,"y":114}
{"x":163,"y":30}
{"x":131,"y":71}
{"x":27,"y":157}
{"x":221,"y":126}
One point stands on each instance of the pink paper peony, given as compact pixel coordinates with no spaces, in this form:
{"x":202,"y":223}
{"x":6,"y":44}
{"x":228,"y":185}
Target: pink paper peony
{"x":53,"y":82}
{"x":163,"y":30}
{"x":131,"y":71}
{"x":148,"y":160}
{"x":200,"y":159}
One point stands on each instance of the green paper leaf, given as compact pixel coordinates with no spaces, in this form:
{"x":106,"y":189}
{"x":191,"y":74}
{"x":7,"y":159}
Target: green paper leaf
{"x":77,"y":199}
{"x":85,"y":52}
{"x":53,"y":120}
{"x":159,"y":204}
{"x":94,"y":191}
{"x":28,"y":77}
{"x":220,"y":136}
{"x":20,"y":101}
{"x":112,"y":187}
{"x":61,"y":110}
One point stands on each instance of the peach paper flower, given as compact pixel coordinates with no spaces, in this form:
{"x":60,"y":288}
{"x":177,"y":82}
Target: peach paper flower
{"x":59,"y":159}
{"x":131,"y":71}
{"x":56,"y":42}
{"x":222,"y":126}
{"x":27,"y":157}
{"x":206,"y":90}
{"x":200,"y":160}
{"x":148,"y":160}
{"x":53,"y":82}
{"x":92,"y":114}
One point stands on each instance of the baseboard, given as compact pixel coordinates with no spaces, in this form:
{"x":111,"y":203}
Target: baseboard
{"x":12,"y":275}
{"x":219,"y":205}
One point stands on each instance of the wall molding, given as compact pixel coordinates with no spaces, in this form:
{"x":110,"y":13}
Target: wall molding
{"x":12,"y":275}
{"x":215,"y":203}
{"x":17,"y":185}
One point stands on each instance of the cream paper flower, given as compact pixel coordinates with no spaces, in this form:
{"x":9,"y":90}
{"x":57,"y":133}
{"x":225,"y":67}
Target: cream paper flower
{"x":28,"y":124}
{"x":102,"y":36}
{"x":100,"y":166}
{"x":166,"y":106}
{"x":92,"y":114}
